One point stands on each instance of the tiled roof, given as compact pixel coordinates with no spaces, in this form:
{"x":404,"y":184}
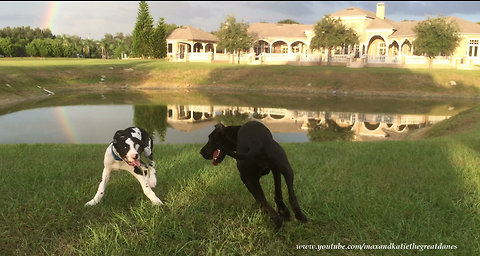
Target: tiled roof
{"x":380,"y":24}
{"x":466,"y":27}
{"x":190,"y":33}
{"x":272,"y":30}
{"x":405,"y":28}
{"x":353,"y":12}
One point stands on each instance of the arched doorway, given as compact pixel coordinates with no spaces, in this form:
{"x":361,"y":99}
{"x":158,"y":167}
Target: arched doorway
{"x":407,"y":48}
{"x":182,"y":49}
{"x":209,"y":48}
{"x":377,"y":46}
{"x":197,"y":47}
{"x":280,"y":47}
{"x":393,"y":49}
{"x":261,"y":46}
{"x":298,"y":47}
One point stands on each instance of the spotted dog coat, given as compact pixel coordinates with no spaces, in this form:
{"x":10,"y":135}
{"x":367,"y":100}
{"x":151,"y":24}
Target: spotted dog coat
{"x":124,"y":154}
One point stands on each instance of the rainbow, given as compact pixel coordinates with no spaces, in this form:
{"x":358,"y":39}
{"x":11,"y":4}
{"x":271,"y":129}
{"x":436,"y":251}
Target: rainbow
{"x":50,"y":15}
{"x":65,"y":125}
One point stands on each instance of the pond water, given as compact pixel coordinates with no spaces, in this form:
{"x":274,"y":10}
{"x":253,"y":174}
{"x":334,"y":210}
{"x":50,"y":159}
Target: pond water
{"x":188,"y":117}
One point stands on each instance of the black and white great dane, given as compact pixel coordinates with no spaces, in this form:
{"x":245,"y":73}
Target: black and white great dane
{"x":257,"y":153}
{"x":124,"y":154}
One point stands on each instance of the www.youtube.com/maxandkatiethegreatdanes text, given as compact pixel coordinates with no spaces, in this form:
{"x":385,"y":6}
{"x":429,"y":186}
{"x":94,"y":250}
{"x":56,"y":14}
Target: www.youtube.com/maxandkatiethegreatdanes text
{"x":391,"y":246}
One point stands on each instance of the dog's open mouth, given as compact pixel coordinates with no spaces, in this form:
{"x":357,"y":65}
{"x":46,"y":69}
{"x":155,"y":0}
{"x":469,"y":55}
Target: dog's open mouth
{"x":133,"y":163}
{"x":216,"y":153}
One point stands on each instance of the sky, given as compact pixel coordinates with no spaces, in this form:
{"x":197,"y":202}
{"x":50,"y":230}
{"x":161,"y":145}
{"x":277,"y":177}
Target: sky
{"x":95,"y":19}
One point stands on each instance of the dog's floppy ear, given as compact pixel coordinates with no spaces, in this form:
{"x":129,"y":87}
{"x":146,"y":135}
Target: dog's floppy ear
{"x":118,"y":134}
{"x":219,"y":126}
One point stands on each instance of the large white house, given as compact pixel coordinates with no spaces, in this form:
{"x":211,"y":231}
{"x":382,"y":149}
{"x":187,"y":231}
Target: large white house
{"x":382,"y":42}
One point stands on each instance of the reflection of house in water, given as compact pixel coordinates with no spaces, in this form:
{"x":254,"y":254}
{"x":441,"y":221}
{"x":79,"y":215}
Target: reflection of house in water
{"x":188,"y":118}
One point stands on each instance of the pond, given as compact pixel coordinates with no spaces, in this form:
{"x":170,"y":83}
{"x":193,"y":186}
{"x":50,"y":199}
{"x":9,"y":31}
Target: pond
{"x":177,"y":117}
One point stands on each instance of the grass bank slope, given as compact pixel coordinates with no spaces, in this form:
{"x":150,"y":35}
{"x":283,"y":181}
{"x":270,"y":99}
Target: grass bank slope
{"x":19,"y":77}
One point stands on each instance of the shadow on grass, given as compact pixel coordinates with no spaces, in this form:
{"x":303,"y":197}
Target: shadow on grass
{"x":340,"y":80}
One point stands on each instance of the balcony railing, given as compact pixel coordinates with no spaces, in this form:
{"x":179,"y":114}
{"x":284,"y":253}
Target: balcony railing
{"x":317,"y":58}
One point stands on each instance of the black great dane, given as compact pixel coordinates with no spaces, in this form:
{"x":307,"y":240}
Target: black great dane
{"x":257,"y":153}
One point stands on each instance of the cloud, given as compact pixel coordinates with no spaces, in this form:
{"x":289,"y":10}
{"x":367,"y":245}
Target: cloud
{"x":419,"y":10}
{"x":20,"y":14}
{"x":94,"y":19}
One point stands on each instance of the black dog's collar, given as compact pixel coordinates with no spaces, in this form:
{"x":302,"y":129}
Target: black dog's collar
{"x":115,"y":154}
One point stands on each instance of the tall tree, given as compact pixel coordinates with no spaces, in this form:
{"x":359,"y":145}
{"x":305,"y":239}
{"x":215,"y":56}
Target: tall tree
{"x":159,"y":40}
{"x":142,"y":33}
{"x":331,"y":33}
{"x":233,"y":36}
{"x":436,"y":36}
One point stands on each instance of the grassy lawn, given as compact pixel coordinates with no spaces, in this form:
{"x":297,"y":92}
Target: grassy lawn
{"x":425,"y":192}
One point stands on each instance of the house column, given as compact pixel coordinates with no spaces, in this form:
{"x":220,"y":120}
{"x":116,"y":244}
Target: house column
{"x":186,"y":52}
{"x":203,"y":45}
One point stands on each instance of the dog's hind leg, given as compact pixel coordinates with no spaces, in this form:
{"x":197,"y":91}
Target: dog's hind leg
{"x":281,"y":164}
{"x":101,"y":188}
{"x":281,"y":207}
{"x":288,"y":175}
{"x":253,"y":185}
{"x":147,"y":190}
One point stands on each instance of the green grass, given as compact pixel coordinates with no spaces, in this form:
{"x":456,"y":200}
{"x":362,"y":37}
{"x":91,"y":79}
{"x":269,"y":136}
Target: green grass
{"x":422,"y":192}
{"x":24,"y":74}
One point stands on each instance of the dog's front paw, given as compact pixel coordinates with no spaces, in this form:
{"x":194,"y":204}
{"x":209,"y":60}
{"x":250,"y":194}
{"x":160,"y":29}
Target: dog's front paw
{"x":301,"y":217}
{"x":91,"y":203}
{"x":157,"y":201}
{"x":277,"y":221}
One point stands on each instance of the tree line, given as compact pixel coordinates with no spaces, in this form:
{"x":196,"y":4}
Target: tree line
{"x":29,"y":42}
{"x":147,"y":40}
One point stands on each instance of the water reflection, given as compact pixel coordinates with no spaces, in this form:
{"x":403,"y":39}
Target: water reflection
{"x":319,"y":125}
{"x":192,"y":123}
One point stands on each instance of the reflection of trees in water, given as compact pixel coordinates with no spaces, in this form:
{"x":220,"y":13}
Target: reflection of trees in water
{"x":232,"y":118}
{"x":328,"y":131}
{"x":151,"y":118}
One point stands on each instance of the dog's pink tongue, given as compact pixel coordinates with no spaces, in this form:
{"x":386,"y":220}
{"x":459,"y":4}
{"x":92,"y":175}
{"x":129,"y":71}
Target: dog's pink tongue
{"x":216,"y":153}
{"x":136,"y":163}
